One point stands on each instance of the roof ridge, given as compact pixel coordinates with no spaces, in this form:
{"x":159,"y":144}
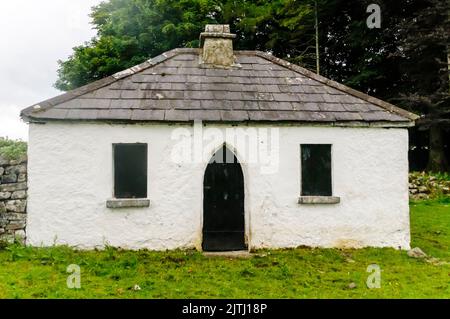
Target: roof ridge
{"x":339,"y":86}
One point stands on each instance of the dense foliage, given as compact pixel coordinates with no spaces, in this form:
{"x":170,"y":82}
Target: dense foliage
{"x":12,"y":149}
{"x":404,"y":62}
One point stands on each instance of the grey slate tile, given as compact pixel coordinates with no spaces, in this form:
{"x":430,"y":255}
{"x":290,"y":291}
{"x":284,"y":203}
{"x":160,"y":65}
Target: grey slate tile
{"x":186,"y":86}
{"x":198,"y":95}
{"x":286,"y":97}
{"x":308,"y":97}
{"x":125,"y":104}
{"x":247,"y":59}
{"x":246,"y":80}
{"x":292,"y":116}
{"x":195,"y":78}
{"x":342,"y":98}
{"x":269,"y":81}
{"x":103,"y":114}
{"x":256,"y":115}
{"x":106,"y":93}
{"x":251,"y":105}
{"x":305,"y":106}
{"x":258,"y":66}
{"x":249,"y":96}
{"x":232,"y":105}
{"x":81,"y":103}
{"x":217,"y":105}
{"x":186,"y":104}
{"x":158,"y":86}
{"x":218,"y":72}
{"x":146,"y":78}
{"x":147,"y":115}
{"x":174,"y":63}
{"x":52,"y":113}
{"x":213,"y":79}
{"x":156,"y":104}
{"x":82,"y":114}
{"x":321,"y":116}
{"x":272,"y":88}
{"x":72,"y":104}
{"x":356,"y":107}
{"x":347,"y":116}
{"x":121,"y":114}
{"x":184,"y":57}
{"x":331,"y":107}
{"x":234,"y":115}
{"x":381,"y":116}
{"x":225,"y":95}
{"x":176,"y":115}
{"x":133,"y":94}
{"x":279,"y":106}
{"x":165,"y":95}
{"x":208,"y":115}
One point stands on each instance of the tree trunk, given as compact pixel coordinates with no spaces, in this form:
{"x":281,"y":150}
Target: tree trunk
{"x":436,"y":161}
{"x":448,"y":66}
{"x":316,"y":26}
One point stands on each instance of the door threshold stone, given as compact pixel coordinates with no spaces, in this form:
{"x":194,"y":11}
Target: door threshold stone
{"x":228,"y":254}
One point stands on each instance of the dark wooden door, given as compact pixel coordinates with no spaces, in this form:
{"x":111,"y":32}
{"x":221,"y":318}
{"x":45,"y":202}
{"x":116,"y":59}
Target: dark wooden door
{"x":223,"y":203}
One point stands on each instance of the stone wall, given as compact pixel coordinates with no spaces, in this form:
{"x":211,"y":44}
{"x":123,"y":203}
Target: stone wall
{"x":424,"y":185}
{"x":13,"y":194}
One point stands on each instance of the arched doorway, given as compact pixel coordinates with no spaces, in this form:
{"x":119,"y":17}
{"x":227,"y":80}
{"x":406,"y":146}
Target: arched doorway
{"x":223,"y":203}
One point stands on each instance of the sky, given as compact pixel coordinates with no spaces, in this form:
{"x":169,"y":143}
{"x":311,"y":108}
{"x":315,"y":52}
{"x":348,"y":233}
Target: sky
{"x":34,"y":35}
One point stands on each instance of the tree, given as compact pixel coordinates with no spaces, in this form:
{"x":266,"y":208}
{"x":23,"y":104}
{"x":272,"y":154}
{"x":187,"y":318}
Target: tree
{"x":426,"y":48}
{"x":129,"y":32}
{"x":363,"y":58}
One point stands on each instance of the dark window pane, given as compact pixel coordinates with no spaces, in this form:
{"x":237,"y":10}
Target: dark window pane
{"x":130,"y":170}
{"x":316,"y":169}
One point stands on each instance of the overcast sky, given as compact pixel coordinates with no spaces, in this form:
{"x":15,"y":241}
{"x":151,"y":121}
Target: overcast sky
{"x":34,"y":34}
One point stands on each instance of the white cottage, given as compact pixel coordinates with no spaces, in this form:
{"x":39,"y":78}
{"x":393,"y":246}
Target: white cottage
{"x":217,"y":149}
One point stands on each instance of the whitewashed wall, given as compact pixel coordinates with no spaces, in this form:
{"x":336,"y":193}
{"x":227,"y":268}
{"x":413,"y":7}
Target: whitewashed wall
{"x":71,"y":177}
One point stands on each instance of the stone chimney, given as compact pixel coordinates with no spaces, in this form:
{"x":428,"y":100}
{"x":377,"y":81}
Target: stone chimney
{"x":217,"y":46}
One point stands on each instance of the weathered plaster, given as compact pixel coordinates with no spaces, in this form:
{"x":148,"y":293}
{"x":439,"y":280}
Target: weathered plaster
{"x":71,"y":175}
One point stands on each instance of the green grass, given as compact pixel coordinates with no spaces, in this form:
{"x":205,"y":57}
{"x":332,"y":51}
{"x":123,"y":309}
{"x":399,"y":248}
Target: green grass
{"x":430,"y":227}
{"x":295,"y":273}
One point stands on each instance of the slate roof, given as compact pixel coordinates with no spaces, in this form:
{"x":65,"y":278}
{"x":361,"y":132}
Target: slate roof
{"x":174,"y":87}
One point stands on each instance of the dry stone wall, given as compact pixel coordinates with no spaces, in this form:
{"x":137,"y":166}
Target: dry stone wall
{"x":423,"y":185}
{"x":13,"y":199}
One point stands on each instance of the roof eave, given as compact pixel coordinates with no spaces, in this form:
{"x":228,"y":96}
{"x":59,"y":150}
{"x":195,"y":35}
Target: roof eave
{"x":348,"y":124}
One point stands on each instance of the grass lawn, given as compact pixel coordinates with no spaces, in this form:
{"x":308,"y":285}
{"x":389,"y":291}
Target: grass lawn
{"x":294,"y":273}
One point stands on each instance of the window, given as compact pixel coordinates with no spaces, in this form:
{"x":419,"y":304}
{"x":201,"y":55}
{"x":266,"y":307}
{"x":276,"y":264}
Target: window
{"x":316,"y":170}
{"x":130,"y":170}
